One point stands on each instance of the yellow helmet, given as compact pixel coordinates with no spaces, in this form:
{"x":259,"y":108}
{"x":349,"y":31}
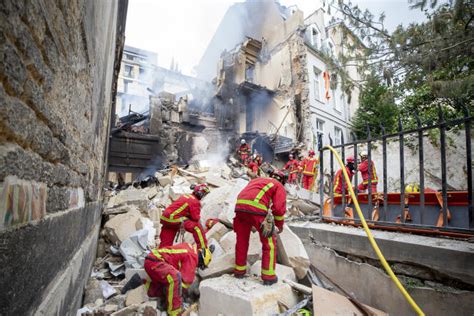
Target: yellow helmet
{"x":412,"y":188}
{"x":304,"y":312}
{"x":205,"y":257}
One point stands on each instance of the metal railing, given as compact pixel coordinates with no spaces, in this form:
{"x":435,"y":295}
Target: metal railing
{"x":419,"y":132}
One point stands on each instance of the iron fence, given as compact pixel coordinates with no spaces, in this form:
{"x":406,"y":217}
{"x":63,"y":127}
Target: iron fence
{"x":412,"y":209}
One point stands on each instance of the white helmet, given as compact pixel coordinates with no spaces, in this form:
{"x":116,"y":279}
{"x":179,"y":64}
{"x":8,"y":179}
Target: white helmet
{"x":363,"y":154}
{"x":242,"y":141}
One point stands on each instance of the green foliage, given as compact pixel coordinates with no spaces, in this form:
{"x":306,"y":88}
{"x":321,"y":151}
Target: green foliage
{"x":376,"y":108}
{"x":426,"y":65}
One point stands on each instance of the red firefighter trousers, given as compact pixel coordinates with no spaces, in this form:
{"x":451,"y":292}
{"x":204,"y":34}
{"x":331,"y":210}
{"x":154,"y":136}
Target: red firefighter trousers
{"x":365,"y":186}
{"x":165,"y":283}
{"x":292,"y":177}
{"x":169,"y":231}
{"x":308,"y":182}
{"x":243,"y":223}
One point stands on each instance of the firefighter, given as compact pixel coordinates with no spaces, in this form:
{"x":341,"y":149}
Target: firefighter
{"x":171,"y":270}
{"x":244,"y":151}
{"x":310,"y":170}
{"x":293,"y":166}
{"x":338,"y":179}
{"x":184,"y":213}
{"x":253,"y":164}
{"x":253,"y":210}
{"x":364,"y":170}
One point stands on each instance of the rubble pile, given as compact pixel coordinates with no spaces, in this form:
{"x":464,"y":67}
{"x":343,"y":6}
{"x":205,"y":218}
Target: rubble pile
{"x":131,"y":227}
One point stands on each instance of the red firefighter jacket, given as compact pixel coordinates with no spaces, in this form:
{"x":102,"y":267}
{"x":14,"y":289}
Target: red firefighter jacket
{"x":182,"y":257}
{"x":244,"y":149}
{"x":338,"y":181}
{"x":364,"y":170}
{"x":253,"y":166}
{"x":186,"y":207}
{"x":310,"y":166}
{"x":262,"y":195}
{"x":293,"y":166}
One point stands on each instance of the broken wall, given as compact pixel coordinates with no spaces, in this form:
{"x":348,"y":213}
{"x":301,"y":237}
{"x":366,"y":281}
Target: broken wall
{"x":56,"y":86}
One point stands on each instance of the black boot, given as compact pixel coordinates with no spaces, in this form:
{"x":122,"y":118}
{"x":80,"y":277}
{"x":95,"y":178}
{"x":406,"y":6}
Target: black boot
{"x":134,"y":282}
{"x":270,"y":282}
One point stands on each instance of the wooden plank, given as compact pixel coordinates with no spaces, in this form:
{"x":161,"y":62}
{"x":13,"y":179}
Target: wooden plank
{"x":330,"y":303}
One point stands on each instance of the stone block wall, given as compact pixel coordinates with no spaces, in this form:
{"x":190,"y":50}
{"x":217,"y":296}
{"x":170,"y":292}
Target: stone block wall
{"x":57,"y":82}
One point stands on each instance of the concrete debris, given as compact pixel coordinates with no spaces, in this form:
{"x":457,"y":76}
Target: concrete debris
{"x":255,"y":246}
{"x":219,"y":266}
{"x":92,"y":291}
{"x":136,"y":296}
{"x":243,"y":296}
{"x":292,"y":253}
{"x":131,"y":271}
{"x":282,"y":271}
{"x":133,"y":249}
{"x":176,"y":191}
{"x":121,"y":226}
{"x":330,"y":303}
{"x":132,"y":196}
{"x":144,"y":223}
{"x":116,"y":269}
{"x":110,"y":308}
{"x":217,"y":231}
{"x":165,"y":180}
{"x":127,"y":311}
{"x":107,"y":289}
{"x":218,"y":251}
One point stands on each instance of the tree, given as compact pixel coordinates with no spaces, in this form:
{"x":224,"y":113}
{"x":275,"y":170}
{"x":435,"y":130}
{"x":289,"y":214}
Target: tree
{"x":425,"y":64}
{"x":376,"y":108}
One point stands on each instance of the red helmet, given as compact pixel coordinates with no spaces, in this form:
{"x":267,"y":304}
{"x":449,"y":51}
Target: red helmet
{"x":278,"y":175}
{"x":200,"y":190}
{"x":350,"y":159}
{"x":311,"y":152}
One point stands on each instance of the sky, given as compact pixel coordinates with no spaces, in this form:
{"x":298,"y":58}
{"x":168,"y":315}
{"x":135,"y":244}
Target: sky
{"x":180,"y":30}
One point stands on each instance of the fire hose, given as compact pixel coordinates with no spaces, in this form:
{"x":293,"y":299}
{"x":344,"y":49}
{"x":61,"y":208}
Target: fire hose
{"x":371,"y":238}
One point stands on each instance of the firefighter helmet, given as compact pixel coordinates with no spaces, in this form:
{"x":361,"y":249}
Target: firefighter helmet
{"x":311,"y":152}
{"x":412,"y":188}
{"x":200,"y":190}
{"x":363,"y":154}
{"x":290,"y":156}
{"x":278,"y":175}
{"x":350,"y":159}
{"x":242,"y":141}
{"x":205,"y":257}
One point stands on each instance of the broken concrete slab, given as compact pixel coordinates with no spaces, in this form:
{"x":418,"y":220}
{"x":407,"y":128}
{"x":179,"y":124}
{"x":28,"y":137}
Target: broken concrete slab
{"x":121,"y":226}
{"x":246,"y":296}
{"x":255,"y":246}
{"x":109,"y":308}
{"x":330,"y":303}
{"x":176,"y":191}
{"x":130,"y":196}
{"x":282,"y":271}
{"x":218,"y":251}
{"x":217,"y":231}
{"x":219,"y":266}
{"x":165,"y":180}
{"x":130,"y":272}
{"x":291,"y":252}
{"x":127,"y":311}
{"x":136,"y":296}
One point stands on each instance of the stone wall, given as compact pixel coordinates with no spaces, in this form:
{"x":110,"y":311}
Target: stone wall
{"x":56,"y":85}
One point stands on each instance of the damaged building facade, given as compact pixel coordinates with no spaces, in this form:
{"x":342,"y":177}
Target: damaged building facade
{"x":277,"y":76}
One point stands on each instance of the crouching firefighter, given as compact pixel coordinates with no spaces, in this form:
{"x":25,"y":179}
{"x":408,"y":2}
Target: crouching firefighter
{"x":171,"y":271}
{"x":260,"y":205}
{"x":184,"y":213}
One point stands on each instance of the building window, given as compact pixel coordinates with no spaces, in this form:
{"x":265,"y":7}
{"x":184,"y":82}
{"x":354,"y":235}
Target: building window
{"x":319,"y":130}
{"x":315,"y":37}
{"x":337,"y":136}
{"x":127,"y":71}
{"x":317,"y":83}
{"x":126,"y":86}
{"x":331,"y":49}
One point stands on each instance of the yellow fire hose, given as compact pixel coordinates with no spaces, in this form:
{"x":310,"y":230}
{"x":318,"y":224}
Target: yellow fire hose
{"x":371,"y":238}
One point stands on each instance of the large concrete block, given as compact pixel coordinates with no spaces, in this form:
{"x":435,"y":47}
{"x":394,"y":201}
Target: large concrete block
{"x":218,"y":266}
{"x":136,"y":296}
{"x":229,"y":296}
{"x":130,"y":196}
{"x":121,"y":226}
{"x":165,"y":180}
{"x":292,"y":253}
{"x":255,"y":246}
{"x":217,"y":231}
{"x":282,"y":272}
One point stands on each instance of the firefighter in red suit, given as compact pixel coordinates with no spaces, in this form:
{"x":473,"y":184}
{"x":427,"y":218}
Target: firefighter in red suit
{"x":172,"y":270}
{"x":293,"y":166}
{"x":309,"y":166}
{"x":253,"y":164}
{"x":244,"y":151}
{"x":185,"y":213}
{"x":261,"y":198}
{"x":364,"y":170}
{"x":338,"y":179}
